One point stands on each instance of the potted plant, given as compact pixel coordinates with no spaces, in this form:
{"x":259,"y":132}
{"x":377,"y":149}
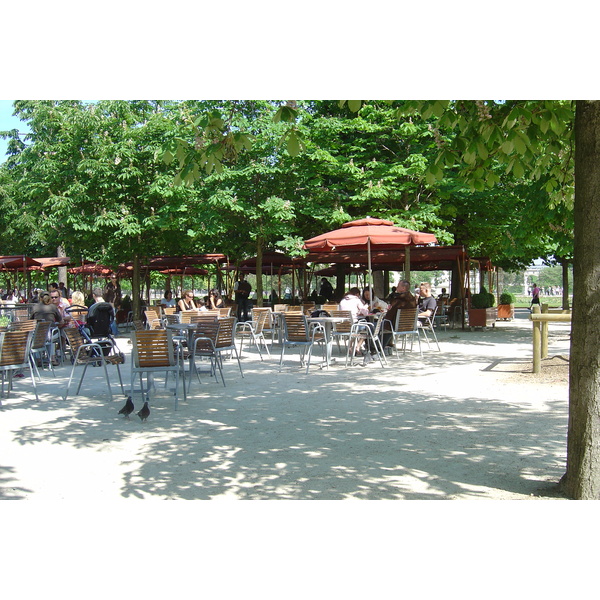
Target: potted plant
{"x":506,"y":307}
{"x":481,"y":311}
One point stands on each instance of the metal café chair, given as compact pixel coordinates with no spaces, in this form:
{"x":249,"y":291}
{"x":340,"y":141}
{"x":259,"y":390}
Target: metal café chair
{"x":15,"y":349}
{"x":296,"y":332}
{"x":407,"y":325}
{"x":153,"y":352}
{"x":254,"y":329}
{"x":96,"y":353}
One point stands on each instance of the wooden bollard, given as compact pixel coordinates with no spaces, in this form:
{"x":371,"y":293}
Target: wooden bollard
{"x":537,"y":342}
{"x":544,"y":349}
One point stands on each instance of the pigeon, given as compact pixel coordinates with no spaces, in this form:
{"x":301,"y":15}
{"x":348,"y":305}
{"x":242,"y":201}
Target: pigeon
{"x":145,"y":412}
{"x":128,"y":408}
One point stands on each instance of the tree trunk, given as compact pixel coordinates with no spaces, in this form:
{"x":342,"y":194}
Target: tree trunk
{"x":259,"y":265}
{"x":62,"y":271}
{"x":135,"y":289}
{"x":582,"y":478}
{"x":565,"y":284}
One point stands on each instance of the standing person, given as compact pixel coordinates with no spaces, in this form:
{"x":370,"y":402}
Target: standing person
{"x":47,"y":310}
{"x":535,"y":295}
{"x":326,"y":289}
{"x":427,"y":303}
{"x":242,"y":295}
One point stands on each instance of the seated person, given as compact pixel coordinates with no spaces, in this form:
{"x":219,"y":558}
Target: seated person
{"x":402,"y":299}
{"x":377,"y":304}
{"x":187,"y":302}
{"x":444,"y":295}
{"x":47,"y":310}
{"x":214,"y":300}
{"x":352,"y":302}
{"x":168,"y":301}
{"x":201,"y":305}
{"x":427,"y":303}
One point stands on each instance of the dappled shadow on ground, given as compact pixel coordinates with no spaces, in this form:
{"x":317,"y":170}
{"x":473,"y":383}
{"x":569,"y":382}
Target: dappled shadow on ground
{"x":9,"y":488}
{"x":364,"y":433}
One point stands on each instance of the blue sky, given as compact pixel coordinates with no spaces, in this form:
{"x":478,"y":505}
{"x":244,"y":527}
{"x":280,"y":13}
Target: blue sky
{"x":7,"y":121}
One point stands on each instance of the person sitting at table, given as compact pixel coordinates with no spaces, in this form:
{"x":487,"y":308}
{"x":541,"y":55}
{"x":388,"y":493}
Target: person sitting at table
{"x":402,"y":299}
{"x":377,"y":304}
{"x":187,"y":302}
{"x":47,"y":310}
{"x":167,"y":300}
{"x":353,"y":302}
{"x":427,"y":303}
{"x":214,"y":300}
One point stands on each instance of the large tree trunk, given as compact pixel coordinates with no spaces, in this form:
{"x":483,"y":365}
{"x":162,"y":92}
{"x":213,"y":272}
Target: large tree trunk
{"x":565,"y":284}
{"x":582,"y":479}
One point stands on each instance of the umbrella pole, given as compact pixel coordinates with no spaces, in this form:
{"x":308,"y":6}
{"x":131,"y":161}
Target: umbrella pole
{"x":370,"y":285}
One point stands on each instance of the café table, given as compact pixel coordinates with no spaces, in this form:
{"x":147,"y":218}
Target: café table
{"x":328,"y":323}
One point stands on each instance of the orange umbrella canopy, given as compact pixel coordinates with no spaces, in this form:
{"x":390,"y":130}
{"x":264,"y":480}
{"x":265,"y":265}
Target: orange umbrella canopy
{"x":359,"y":235}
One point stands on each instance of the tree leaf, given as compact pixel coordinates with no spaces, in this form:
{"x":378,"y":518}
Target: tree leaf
{"x":354,"y":105}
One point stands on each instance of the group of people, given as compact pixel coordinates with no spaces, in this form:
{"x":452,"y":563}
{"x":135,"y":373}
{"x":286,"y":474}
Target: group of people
{"x":360,"y":306}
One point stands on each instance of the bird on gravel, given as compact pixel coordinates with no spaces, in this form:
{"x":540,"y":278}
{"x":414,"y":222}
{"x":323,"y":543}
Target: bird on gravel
{"x":128,"y":408}
{"x":144,"y":412}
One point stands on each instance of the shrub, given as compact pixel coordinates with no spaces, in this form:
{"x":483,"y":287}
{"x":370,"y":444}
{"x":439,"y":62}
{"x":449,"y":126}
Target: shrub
{"x":482,"y":300}
{"x":507,"y":298}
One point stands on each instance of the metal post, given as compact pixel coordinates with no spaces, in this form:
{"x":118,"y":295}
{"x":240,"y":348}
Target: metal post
{"x":537,"y":342}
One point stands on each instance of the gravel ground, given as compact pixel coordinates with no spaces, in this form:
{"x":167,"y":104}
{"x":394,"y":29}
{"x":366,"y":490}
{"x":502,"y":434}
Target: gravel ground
{"x":469,"y":422}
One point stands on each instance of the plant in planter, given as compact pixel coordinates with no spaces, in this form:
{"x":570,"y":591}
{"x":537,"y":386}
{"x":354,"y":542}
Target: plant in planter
{"x":482,"y":313}
{"x":506,"y":307}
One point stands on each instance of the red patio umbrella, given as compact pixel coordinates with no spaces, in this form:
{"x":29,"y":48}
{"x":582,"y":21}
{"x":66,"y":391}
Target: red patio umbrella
{"x":368,"y":234}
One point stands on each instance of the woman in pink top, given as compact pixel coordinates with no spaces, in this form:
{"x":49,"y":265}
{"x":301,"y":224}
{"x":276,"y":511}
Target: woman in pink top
{"x":352,"y":302}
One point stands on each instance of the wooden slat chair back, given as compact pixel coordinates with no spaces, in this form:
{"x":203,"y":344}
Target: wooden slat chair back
{"x":25,"y":325}
{"x":254,"y":329}
{"x":205,"y":339}
{"x":330,"y":307}
{"x":295,"y":309}
{"x":153,"y":351}
{"x":308,"y":308}
{"x":138,"y":325}
{"x":40,"y":345}
{"x":186,"y":316}
{"x":171,"y":318}
{"x":341,"y":330}
{"x":153,"y":319}
{"x":225,"y":312}
{"x":170,"y":310}
{"x":225,"y":341}
{"x":280,"y":307}
{"x":407,"y":323}
{"x":15,"y":347}
{"x":296,"y":332}
{"x":95,"y":353}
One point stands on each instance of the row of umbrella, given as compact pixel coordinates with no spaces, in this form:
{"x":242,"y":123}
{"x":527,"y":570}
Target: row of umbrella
{"x":364,"y":235}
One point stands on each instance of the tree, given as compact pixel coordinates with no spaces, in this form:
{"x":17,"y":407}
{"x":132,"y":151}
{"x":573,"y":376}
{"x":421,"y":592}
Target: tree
{"x":543,"y":141}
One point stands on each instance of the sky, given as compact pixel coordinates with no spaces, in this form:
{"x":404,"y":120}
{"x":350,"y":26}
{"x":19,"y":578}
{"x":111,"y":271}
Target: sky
{"x":7,"y":121}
